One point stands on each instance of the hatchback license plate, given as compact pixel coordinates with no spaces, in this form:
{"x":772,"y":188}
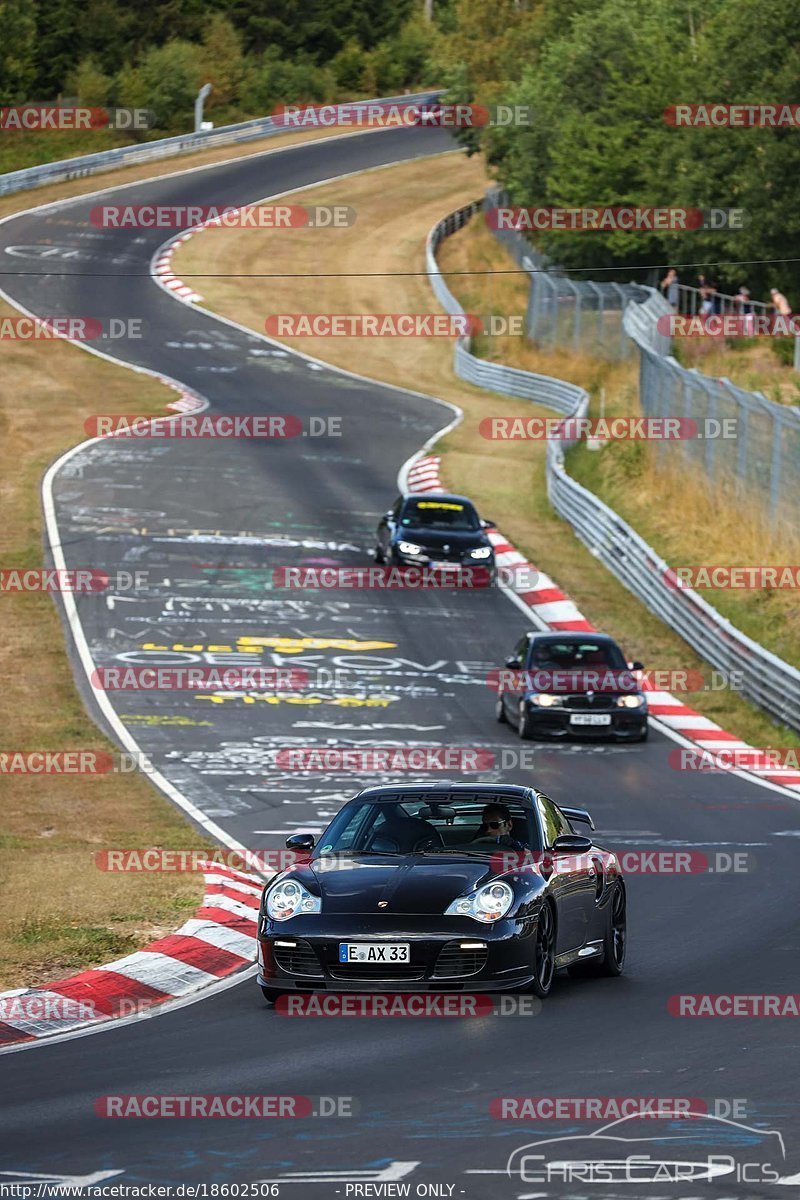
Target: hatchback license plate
{"x":374,"y":952}
{"x":590,"y":719}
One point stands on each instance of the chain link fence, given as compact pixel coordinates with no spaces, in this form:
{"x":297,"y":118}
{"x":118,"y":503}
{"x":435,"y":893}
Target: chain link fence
{"x":748,"y":442}
{"x":578,"y":313}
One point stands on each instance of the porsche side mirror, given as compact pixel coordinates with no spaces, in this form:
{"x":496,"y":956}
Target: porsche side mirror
{"x":486,"y":524}
{"x":300,"y":841}
{"x":636,"y":665}
{"x":513,"y":662}
{"x":572,"y":843}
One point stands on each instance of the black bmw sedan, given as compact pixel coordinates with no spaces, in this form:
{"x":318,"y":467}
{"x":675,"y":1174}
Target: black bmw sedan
{"x":434,"y":529}
{"x":571,"y":684}
{"x":443,"y":887}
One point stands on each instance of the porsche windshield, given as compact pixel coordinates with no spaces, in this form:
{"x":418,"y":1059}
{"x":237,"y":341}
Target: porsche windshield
{"x":417,"y":825}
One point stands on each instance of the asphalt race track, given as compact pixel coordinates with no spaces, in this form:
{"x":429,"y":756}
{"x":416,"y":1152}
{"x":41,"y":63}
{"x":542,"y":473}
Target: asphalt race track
{"x":208,"y":521}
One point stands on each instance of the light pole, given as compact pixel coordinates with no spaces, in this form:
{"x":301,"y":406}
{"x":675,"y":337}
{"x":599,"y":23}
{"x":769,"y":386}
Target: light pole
{"x":198,"y":106}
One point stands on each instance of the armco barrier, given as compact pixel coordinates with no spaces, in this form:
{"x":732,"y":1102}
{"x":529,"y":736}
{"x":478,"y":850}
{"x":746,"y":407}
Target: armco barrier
{"x":123,"y":156}
{"x":762,"y":677}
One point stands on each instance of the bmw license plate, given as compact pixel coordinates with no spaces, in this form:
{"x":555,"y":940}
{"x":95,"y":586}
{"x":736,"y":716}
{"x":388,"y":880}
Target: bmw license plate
{"x":374,"y":952}
{"x":590,"y":719}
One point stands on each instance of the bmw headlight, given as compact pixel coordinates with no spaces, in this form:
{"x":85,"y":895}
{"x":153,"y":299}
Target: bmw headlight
{"x":288,"y":898}
{"x":409,"y":548}
{"x":481,"y":552}
{"x":545,"y":700}
{"x":630,"y":701}
{"x":488,"y":904}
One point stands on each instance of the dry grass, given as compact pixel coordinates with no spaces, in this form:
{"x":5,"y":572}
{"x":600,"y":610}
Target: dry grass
{"x":506,"y":478}
{"x":750,"y":363}
{"x":58,"y":913}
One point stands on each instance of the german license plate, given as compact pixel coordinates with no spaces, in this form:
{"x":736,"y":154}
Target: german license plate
{"x":374,"y":952}
{"x":590,"y":719}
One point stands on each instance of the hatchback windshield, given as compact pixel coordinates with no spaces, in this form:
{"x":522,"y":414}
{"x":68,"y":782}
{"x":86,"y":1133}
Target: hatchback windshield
{"x":564,"y":655}
{"x":440,"y":514}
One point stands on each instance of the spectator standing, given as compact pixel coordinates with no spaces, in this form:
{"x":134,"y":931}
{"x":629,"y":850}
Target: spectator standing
{"x":669,"y":287}
{"x":780,"y":303}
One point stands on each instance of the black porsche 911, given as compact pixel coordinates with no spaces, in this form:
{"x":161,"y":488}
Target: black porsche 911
{"x":434,"y":529}
{"x":443,"y":887}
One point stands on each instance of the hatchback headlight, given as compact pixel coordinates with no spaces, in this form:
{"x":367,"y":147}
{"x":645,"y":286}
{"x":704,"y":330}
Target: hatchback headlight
{"x":630,"y":701}
{"x":488,"y":904}
{"x":409,"y":548}
{"x":481,"y":552}
{"x":545,"y":700}
{"x":288,"y":898}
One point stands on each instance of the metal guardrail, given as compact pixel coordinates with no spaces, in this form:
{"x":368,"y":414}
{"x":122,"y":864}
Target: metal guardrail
{"x":123,"y":156}
{"x":760,"y":675}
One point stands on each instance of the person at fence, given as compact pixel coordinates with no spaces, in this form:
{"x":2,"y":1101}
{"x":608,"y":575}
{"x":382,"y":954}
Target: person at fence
{"x":706,"y":290}
{"x":669,"y":287}
{"x":780,"y":303}
{"x":742,"y":303}
{"x":743,"y":306}
{"x":497,"y":827}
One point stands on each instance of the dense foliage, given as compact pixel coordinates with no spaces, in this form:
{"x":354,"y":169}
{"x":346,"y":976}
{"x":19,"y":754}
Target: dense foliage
{"x":597,"y":77}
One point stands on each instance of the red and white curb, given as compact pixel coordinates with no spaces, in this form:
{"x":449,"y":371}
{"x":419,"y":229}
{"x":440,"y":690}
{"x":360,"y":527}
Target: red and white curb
{"x":166,"y":275}
{"x":218,"y":941}
{"x":556,"y":610}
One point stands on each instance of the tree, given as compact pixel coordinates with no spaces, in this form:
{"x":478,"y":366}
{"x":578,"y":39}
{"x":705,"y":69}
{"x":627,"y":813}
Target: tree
{"x":17,"y":65}
{"x":89,"y":83}
{"x":223,"y":63}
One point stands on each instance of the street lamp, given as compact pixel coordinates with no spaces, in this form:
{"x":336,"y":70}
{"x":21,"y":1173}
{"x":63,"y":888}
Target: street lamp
{"x":198,"y":106}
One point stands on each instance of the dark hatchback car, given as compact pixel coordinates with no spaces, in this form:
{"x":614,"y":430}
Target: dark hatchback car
{"x":571,"y":684}
{"x":408,"y":890}
{"x":434,"y":529}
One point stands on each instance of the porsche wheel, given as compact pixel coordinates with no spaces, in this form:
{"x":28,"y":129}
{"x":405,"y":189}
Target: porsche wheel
{"x":544,"y":966}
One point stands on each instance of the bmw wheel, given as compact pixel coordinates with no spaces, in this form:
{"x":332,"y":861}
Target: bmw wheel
{"x":500,"y":711}
{"x":524,"y":725}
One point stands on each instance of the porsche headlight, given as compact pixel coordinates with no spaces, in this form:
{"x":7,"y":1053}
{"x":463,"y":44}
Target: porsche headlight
{"x":481,"y":552}
{"x":409,"y":548}
{"x":545,"y":700}
{"x":488,"y":904}
{"x":630,"y":701}
{"x":288,"y":898}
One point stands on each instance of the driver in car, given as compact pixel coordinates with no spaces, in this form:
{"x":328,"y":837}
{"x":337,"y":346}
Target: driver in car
{"x":496,"y":829}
